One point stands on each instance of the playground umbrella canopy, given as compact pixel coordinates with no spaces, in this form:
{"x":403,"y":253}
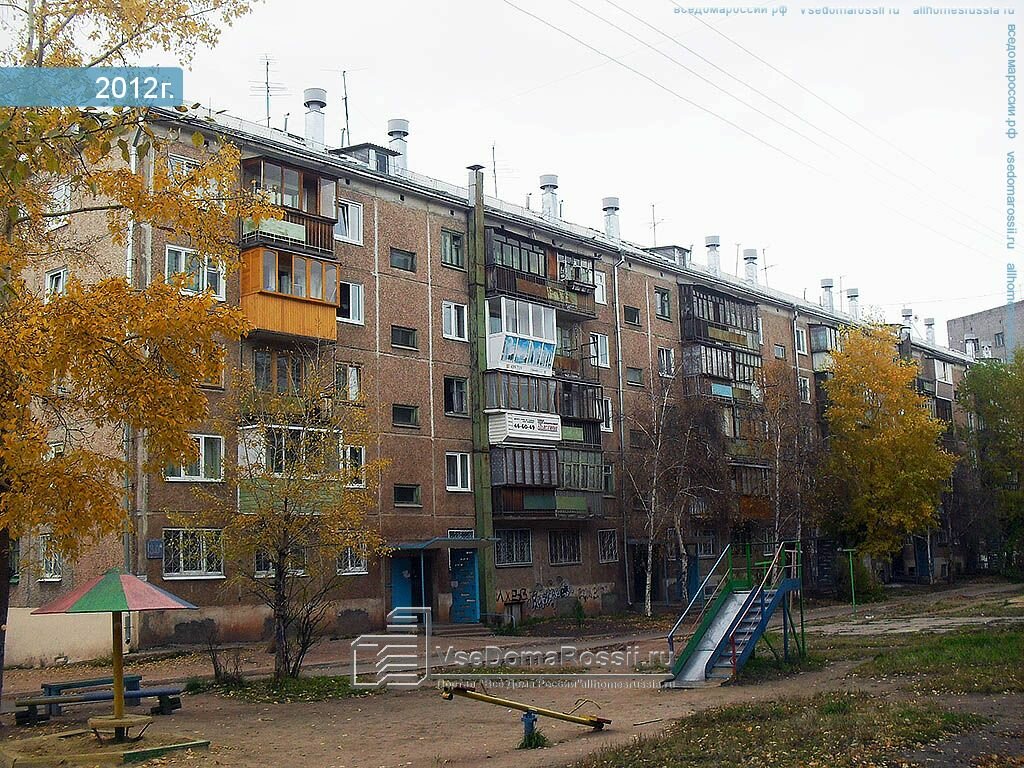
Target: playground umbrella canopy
{"x":114,"y":593}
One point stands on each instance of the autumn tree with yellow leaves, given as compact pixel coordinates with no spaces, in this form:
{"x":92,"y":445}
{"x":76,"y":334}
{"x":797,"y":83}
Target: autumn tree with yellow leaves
{"x":885,"y":465}
{"x":104,"y":357}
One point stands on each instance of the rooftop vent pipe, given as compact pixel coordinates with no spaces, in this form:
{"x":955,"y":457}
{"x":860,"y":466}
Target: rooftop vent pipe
{"x":714,"y":259}
{"x":549,"y":195}
{"x":750,"y":265}
{"x":398,"y":129}
{"x":314,"y":99}
{"x":610,"y":206}
{"x":853,"y":300}
{"x":929,"y":330}
{"x":826,"y":294}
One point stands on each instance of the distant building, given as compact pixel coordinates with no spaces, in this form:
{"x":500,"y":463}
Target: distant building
{"x":985,"y":334}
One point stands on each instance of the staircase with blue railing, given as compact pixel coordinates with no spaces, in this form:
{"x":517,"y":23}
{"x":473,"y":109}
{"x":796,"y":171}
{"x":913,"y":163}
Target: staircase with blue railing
{"x":727,"y":622}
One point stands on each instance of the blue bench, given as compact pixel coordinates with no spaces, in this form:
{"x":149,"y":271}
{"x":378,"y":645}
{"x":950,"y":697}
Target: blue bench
{"x":168,"y":700}
{"x":131,"y":683}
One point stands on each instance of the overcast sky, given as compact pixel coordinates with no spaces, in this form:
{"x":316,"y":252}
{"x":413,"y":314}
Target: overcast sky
{"x":469,"y":74}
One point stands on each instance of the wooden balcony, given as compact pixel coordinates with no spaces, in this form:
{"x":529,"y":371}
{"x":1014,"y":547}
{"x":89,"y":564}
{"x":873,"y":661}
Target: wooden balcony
{"x":295,"y":231}
{"x":279,"y":313}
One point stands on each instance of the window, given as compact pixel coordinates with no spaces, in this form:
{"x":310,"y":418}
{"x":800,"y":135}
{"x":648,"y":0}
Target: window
{"x":801,"y":341}
{"x":60,"y":202}
{"x":666,"y":361}
{"x":14,"y":561}
{"x":637,"y":438}
{"x":631,"y":315}
{"x":944,"y":371}
{"x":263,"y":568}
{"x":521,"y":255}
{"x":564,"y":547}
{"x":405,"y":415}
{"x":207,"y":466}
{"x":607,"y":415}
{"x":804,"y":386}
{"x":404,"y":260}
{"x":352,"y":563}
{"x":354,"y":459}
{"x":456,"y":471}
{"x":303,"y":190}
{"x":201,"y":274}
{"x":600,"y":288}
{"x":522,"y":318}
{"x":193,"y":553}
{"x":348,"y":381}
{"x":999,"y":340}
{"x":608,"y":479}
{"x":635,"y":377}
{"x":705,"y":543}
{"x":456,"y":396}
{"x":453,"y":321}
{"x":451,"y":250}
{"x":524,"y":466}
{"x":607,"y":546}
{"x":780,"y":352}
{"x":518,"y":392}
{"x":278,"y":370}
{"x":299,"y":276}
{"x":514,"y":546}
{"x":599,"y":350}
{"x":51,"y":564}
{"x":407,"y":495}
{"x":349,"y":228}
{"x":56,"y":284}
{"x":403,"y":337}
{"x":580,"y":470}
{"x":179,"y":168}
{"x":663,"y":303}
{"x":314,"y":451}
{"x":350,"y":302}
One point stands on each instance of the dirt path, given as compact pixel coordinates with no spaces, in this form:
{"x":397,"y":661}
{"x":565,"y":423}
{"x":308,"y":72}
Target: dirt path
{"x":418,"y":728}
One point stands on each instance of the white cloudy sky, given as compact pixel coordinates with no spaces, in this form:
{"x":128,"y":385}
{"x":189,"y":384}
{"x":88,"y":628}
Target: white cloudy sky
{"x":472,"y":73}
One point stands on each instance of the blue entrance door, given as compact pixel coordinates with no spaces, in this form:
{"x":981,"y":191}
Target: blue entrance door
{"x":465,"y":592}
{"x":401,"y":582}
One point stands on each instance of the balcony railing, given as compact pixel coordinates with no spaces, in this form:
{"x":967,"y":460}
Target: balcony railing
{"x":526,"y":503}
{"x":925,"y":386}
{"x":576,"y":364}
{"x":295,"y":231}
{"x":571,"y":297}
{"x":697,"y":329}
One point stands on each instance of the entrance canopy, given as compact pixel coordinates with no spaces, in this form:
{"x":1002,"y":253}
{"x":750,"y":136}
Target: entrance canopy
{"x":441,"y":542}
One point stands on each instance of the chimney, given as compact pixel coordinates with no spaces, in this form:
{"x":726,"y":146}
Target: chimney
{"x":549,"y":195}
{"x":314,"y":99}
{"x":750,"y":265}
{"x":714,"y":260}
{"x":853,"y":300}
{"x":826,"y":294}
{"x":971,"y":346}
{"x":929,"y":330}
{"x":610,"y":206}
{"x":398,"y":129}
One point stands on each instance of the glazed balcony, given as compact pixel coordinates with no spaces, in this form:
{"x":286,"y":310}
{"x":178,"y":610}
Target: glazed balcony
{"x":284,"y":295}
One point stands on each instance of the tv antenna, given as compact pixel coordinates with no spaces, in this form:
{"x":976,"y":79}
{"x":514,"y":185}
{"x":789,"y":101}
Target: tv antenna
{"x":267,"y":87}
{"x":346,"y":132}
{"x":767,"y":266}
{"x":654,"y":227}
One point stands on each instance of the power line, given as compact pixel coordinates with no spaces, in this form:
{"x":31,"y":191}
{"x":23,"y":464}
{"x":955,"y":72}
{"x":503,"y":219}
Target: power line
{"x":829,"y":104}
{"x":985,"y":232}
{"x":729,"y":122}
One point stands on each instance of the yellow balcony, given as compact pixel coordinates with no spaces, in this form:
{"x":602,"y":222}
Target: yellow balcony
{"x":287,"y":294}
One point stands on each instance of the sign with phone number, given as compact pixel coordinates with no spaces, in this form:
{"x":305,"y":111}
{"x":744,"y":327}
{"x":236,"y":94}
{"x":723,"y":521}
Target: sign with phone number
{"x":91,"y":86}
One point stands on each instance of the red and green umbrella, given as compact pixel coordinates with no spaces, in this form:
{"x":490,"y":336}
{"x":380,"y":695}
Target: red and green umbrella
{"x":114,"y":593}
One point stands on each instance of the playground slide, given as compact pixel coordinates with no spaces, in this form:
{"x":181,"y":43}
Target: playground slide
{"x":691,"y":671}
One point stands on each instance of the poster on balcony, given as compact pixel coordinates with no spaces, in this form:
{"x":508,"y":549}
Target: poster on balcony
{"x":523,"y":355}
{"x":517,"y":425}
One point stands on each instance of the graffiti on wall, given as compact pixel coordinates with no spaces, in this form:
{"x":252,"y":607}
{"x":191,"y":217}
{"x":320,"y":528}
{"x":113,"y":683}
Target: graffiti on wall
{"x":541,"y":596}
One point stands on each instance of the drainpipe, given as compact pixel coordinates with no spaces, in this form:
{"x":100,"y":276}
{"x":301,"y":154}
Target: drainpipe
{"x":475,"y":258}
{"x":622,"y":420}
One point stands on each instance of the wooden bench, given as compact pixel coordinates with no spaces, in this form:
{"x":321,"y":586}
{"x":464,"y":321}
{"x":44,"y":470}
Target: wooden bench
{"x":131,"y":683}
{"x":168,"y":700}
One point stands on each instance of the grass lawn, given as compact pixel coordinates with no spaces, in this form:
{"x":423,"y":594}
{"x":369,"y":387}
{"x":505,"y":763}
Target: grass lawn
{"x":986,"y":661}
{"x":834,"y":730}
